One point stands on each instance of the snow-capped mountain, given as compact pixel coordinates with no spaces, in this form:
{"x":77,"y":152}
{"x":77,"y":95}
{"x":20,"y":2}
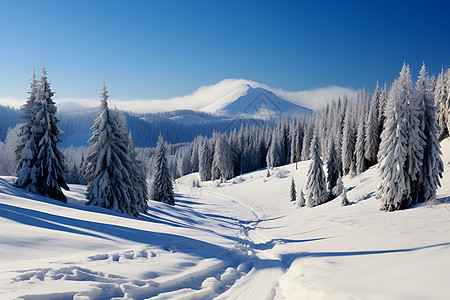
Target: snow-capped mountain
{"x":254,"y":102}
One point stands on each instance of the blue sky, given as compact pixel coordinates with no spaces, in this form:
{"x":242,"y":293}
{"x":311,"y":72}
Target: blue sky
{"x":161,"y":49}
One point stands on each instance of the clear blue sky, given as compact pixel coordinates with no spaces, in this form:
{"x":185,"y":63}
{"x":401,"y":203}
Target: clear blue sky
{"x":160,"y":49}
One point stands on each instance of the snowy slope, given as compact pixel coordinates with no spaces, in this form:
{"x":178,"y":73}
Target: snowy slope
{"x":238,"y":240}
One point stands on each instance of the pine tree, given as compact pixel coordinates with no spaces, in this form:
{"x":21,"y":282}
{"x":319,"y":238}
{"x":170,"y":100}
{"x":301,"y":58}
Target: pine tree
{"x":332,"y":167}
{"x":432,"y":167}
{"x":372,"y":135}
{"x":338,"y":188}
{"x":107,"y":171}
{"x":293,"y":191}
{"x":138,"y":187}
{"x":348,"y":143}
{"x":399,"y":155}
{"x":48,"y":169}
{"x":162,"y":189}
{"x":27,"y":148}
{"x":316,"y":186}
{"x":440,"y":100}
{"x":359,"y":147}
{"x":223,"y":161}
{"x":205,"y":161}
{"x":301,"y":200}
{"x":28,"y":110}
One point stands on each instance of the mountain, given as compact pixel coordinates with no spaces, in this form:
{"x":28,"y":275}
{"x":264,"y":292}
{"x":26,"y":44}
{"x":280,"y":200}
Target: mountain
{"x":253,"y":102}
{"x":214,"y":98}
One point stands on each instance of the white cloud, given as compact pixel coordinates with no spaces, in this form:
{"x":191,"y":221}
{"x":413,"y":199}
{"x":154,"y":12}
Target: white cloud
{"x":204,"y":96}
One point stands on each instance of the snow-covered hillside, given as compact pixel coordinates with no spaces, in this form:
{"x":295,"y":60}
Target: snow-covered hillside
{"x":238,"y":240}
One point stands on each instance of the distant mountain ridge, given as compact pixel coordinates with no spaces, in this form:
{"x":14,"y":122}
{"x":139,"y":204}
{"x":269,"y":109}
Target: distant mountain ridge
{"x":246,"y":101}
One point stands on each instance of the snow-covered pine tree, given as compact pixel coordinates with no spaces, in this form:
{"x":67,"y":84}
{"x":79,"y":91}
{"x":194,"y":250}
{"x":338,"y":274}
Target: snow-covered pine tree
{"x":162,"y":189}
{"x":307,"y":141}
{"x":344,"y":200}
{"x":26,"y":126}
{"x":372,"y":135}
{"x":301,"y":200}
{"x":205,"y":160}
{"x":399,"y":156}
{"x":275,"y":154}
{"x":359,"y":146}
{"x":49,"y":171}
{"x":440,"y":100}
{"x":316,"y":186}
{"x":222,"y":160}
{"x":348,"y":142}
{"x":332,"y":167}
{"x":338,"y":188}
{"x":27,"y":148}
{"x":432,"y":167}
{"x":106,"y":173}
{"x":293,"y":191}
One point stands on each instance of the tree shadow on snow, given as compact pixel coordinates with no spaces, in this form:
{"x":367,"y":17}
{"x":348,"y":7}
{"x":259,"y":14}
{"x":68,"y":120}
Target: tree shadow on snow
{"x":167,"y":241}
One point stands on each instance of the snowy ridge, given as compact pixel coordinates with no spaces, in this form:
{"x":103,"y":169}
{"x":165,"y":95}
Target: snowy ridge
{"x":239,"y":240}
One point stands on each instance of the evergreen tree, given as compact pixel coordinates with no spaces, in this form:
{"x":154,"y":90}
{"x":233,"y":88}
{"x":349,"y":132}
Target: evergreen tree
{"x":338,"y":188}
{"x":348,"y":143}
{"x":441,"y":94}
{"x":293,"y":191}
{"x":28,"y":112}
{"x":162,"y":189}
{"x":432,"y":167}
{"x":400,"y":154}
{"x":107,"y":165}
{"x":223,"y":160}
{"x":205,"y":161}
{"x":27,"y":148}
{"x":48,"y":169}
{"x":359,"y":147}
{"x":372,"y":135}
{"x":332,"y":167}
{"x":316,"y":186}
{"x":301,"y":200}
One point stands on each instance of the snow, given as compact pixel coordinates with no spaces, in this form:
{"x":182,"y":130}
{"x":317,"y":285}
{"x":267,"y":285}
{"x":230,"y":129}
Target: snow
{"x":242,"y":239}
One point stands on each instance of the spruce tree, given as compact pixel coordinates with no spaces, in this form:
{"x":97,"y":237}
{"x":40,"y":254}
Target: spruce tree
{"x":162,"y":189}
{"x":26,"y":127}
{"x":48,"y":172}
{"x":316,"y":186}
{"x":372,"y":134}
{"x":222,"y":163}
{"x":399,"y":156}
{"x":27,"y":148}
{"x":205,"y":160}
{"x":440,"y":100}
{"x":348,"y":142}
{"x":332,"y":167}
{"x":293,"y":191}
{"x":107,"y":165}
{"x":432,"y":167}
{"x":359,"y":147}
{"x":301,"y":200}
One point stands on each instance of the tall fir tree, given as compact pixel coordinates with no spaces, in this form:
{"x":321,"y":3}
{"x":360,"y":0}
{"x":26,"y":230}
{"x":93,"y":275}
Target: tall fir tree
{"x":48,"y":173}
{"x":316,"y":186}
{"x":293,"y":193}
{"x":360,"y":162}
{"x":162,"y":189}
{"x":399,"y":156}
{"x":27,"y":148}
{"x":348,"y":143}
{"x":205,"y":160}
{"x":107,"y":165}
{"x":432,"y":167}
{"x":372,"y":134}
{"x":440,"y":100}
{"x":332,"y":167}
